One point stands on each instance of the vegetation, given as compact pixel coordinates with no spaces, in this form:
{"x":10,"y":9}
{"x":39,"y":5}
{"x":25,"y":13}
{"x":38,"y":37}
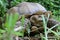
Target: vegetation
{"x":7,"y":28}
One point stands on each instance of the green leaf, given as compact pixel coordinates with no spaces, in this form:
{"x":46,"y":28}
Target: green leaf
{"x":2,"y":31}
{"x":19,"y":33}
{"x":22,"y":20}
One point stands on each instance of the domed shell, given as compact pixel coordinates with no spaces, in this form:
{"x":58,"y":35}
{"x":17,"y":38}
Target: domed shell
{"x":27,"y":8}
{"x":30,"y":8}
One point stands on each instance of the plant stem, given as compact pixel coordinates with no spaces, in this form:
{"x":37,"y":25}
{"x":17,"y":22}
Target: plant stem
{"x":45,"y":27}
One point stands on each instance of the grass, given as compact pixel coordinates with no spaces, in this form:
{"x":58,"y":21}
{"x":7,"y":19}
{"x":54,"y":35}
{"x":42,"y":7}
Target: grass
{"x":9,"y":24}
{"x":56,"y":18}
{"x":49,"y":29}
{"x":11,"y":21}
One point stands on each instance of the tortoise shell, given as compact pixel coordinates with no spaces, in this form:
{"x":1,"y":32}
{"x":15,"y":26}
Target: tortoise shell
{"x":27,"y":8}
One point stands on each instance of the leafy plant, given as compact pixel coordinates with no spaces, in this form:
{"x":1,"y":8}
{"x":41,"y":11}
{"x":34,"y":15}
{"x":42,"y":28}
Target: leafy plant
{"x":10,"y":29}
{"x":3,"y":5}
{"x":15,"y":2}
{"x":9,"y":25}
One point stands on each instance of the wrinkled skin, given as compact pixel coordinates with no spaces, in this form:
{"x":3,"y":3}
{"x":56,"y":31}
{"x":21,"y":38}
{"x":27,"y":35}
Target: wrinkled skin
{"x":36,"y":20}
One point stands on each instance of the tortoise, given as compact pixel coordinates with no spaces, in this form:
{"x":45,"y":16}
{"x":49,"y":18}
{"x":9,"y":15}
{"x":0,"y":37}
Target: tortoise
{"x":31,"y":10}
{"x":27,"y":9}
